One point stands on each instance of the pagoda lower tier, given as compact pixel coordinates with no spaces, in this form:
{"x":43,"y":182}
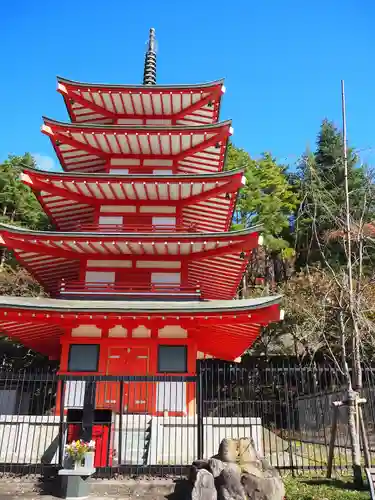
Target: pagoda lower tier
{"x":218,"y":328}
{"x":135,"y":338}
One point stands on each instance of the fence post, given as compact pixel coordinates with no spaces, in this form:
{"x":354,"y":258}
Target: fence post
{"x":120,"y":421}
{"x":331,"y":449}
{"x":363,"y":434}
{"x":88,"y":410}
{"x":199,"y":405}
{"x":61,"y":423}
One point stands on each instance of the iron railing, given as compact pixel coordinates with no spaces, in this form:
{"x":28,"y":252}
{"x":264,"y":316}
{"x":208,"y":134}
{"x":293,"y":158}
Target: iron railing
{"x":158,"y":424}
{"x":79,"y":289}
{"x":139,"y":228}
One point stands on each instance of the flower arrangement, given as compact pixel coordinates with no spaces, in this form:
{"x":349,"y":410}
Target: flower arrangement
{"x":77,"y":450}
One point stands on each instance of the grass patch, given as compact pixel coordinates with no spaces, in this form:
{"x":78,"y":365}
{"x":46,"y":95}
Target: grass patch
{"x":302,"y":489}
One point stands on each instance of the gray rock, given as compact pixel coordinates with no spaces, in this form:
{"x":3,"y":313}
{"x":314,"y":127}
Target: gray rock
{"x":201,"y":464}
{"x":228,"y":450}
{"x":216,"y":466}
{"x":204,"y":486}
{"x":195,"y":467}
{"x":266,"y":485}
{"x":229,"y":484}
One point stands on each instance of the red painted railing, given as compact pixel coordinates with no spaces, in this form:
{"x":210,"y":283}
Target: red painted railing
{"x":91,"y":289}
{"x":137,"y":228}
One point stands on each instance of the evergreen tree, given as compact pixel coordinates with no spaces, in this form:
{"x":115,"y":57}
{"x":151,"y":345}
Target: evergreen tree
{"x":18,"y":205}
{"x":321,"y":177}
{"x":269,"y":199}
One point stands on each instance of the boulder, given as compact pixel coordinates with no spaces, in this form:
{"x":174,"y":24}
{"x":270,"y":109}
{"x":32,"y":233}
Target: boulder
{"x":204,"y":486}
{"x":238,"y":473}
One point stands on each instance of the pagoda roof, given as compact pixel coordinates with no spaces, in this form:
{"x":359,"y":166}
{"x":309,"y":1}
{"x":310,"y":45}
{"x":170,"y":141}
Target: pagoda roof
{"x":216,"y":261}
{"x":105,"y":103}
{"x":225,"y":328}
{"x":207,"y":200}
{"x":183,"y":149}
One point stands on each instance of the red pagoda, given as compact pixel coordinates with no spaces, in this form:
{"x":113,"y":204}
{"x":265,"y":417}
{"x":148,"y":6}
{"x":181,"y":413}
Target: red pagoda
{"x":142,"y":269}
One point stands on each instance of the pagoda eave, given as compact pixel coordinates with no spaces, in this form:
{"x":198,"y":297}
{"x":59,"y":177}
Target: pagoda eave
{"x":102,"y":189}
{"x":104,"y":244}
{"x":46,"y":306}
{"x":178,"y":104}
{"x":205,"y":201}
{"x":161,"y":129}
{"x":93,"y":147}
{"x":147,"y":89}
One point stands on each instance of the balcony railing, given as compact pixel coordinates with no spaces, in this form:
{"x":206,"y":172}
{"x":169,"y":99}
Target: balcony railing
{"x":137,"y":228}
{"x":113,"y":291}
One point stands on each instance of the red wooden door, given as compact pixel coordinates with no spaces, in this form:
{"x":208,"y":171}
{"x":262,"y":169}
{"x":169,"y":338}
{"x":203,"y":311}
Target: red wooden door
{"x":137,"y":395}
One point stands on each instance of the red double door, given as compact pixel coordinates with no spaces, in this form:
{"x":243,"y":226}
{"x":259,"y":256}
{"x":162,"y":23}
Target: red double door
{"x":138,"y":397}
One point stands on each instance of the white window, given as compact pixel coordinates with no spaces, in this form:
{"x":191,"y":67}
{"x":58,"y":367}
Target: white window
{"x":100,"y":276}
{"x":159,"y":278}
{"x":110,"y":220}
{"x":170,"y":222}
{"x":119,"y":171}
{"x":162,"y":172}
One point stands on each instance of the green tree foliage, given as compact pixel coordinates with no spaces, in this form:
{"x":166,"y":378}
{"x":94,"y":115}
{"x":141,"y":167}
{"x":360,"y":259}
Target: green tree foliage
{"x":267,"y":198}
{"x":316,"y":293}
{"x":18,"y":205}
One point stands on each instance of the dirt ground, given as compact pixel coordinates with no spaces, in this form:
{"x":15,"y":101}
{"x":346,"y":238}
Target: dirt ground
{"x":33,"y":489}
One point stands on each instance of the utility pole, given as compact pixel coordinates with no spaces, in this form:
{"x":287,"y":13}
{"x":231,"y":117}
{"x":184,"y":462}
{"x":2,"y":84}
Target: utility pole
{"x":346,"y":183}
{"x":356,"y":385}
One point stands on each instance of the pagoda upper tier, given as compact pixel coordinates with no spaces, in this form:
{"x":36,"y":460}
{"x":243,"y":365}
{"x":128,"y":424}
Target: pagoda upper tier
{"x":214,"y":262}
{"x":147,"y":149}
{"x":142,"y":105}
{"x":203,"y":202}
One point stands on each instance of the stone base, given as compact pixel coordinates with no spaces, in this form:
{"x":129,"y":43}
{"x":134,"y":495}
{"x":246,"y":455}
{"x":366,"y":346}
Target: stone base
{"x":74,"y":483}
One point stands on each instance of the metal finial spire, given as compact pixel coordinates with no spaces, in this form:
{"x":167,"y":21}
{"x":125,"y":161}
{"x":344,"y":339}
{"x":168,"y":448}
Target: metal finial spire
{"x":149,"y":75}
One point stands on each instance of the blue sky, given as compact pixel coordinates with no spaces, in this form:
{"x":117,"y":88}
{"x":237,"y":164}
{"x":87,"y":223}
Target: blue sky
{"x":282,"y":61}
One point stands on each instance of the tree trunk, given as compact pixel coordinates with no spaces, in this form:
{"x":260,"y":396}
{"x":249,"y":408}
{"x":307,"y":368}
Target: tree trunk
{"x":354,"y":437}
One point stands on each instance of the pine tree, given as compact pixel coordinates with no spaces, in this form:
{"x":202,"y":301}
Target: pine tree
{"x":269,"y":199}
{"x":321,"y":177}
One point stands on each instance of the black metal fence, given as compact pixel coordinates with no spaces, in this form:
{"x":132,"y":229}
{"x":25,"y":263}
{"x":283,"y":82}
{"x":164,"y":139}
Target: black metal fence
{"x":292,"y":408}
{"x":168,"y":421}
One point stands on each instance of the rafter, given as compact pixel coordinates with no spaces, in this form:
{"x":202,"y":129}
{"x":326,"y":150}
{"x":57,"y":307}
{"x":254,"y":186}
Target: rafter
{"x":76,"y":96}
